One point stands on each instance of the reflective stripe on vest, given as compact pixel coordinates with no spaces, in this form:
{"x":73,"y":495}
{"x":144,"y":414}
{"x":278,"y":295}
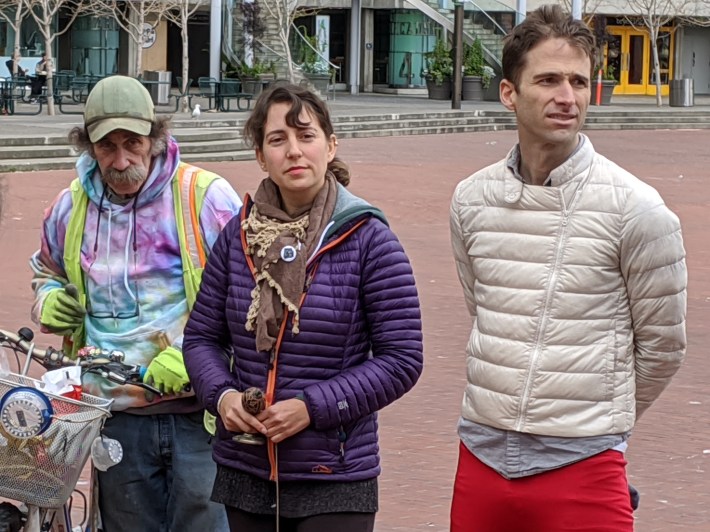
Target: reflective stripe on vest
{"x":190,"y":185}
{"x":191,"y":230}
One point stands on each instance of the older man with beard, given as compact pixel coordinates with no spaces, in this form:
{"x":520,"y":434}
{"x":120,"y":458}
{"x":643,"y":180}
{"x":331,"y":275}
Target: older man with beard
{"x":121,"y":257}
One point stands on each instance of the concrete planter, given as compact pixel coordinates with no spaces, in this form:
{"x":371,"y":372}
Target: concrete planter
{"x":254,"y":85}
{"x":472,"y":88}
{"x":607,"y":91}
{"x":492,"y":92}
{"x":320,"y":82}
{"x":440,"y":91}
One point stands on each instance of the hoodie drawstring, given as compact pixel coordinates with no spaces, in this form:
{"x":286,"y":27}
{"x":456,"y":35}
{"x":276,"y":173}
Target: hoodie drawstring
{"x":131,"y":243}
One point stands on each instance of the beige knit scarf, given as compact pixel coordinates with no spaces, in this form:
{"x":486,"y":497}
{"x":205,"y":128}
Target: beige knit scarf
{"x":272,"y":237}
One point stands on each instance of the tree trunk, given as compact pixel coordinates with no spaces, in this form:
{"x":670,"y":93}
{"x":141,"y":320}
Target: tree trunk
{"x":183,"y":88}
{"x":138,"y":55}
{"x":18,"y":25}
{"x":50,"y":73}
{"x":283,"y":33}
{"x":139,"y":42}
{"x":139,"y":58}
{"x":656,"y":65}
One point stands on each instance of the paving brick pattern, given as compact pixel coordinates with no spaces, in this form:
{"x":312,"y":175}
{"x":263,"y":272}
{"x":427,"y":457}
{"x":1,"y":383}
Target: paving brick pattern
{"x":411,"y":179}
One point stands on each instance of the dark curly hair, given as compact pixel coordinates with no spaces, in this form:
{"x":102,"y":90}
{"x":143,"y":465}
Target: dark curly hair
{"x":159,"y":134}
{"x":298,"y":98}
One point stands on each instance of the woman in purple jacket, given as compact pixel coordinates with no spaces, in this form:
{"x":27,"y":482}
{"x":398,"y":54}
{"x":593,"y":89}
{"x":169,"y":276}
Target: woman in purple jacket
{"x":309,"y":297}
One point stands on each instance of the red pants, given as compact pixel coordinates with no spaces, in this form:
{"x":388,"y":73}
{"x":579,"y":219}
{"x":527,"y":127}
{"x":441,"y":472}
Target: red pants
{"x":587,"y":496}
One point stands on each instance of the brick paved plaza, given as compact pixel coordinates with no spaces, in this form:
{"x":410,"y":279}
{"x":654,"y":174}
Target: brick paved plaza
{"x":411,"y":179}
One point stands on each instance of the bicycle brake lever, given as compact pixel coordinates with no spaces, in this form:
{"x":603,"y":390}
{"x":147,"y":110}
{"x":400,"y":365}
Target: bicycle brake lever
{"x":136,"y":379}
{"x":148,"y":387}
{"x":133,"y":378}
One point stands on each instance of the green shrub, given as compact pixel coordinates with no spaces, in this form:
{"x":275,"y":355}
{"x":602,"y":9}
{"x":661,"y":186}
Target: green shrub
{"x":439,"y":64}
{"x":475,"y":65}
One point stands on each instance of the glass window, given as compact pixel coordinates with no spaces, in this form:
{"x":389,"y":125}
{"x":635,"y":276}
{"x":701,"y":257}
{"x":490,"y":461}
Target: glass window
{"x":663,"y":45}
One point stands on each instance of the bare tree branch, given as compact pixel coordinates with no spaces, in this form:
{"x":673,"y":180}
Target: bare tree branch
{"x":650,"y":16}
{"x":132,"y":16}
{"x":44,"y":13}
{"x":20,"y":12}
{"x":179,"y":12}
{"x":589,"y":9}
{"x":697,"y":14}
{"x":284,"y":12}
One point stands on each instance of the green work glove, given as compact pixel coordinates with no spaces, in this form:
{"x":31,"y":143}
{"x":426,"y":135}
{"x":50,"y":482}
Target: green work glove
{"x":167,"y":372}
{"x":61,"y":311}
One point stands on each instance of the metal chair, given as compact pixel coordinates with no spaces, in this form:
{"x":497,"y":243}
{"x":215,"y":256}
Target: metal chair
{"x":209,"y":88}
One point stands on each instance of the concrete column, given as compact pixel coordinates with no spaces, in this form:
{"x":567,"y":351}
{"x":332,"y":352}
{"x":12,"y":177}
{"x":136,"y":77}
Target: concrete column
{"x":577,"y":9}
{"x":458,"y":56}
{"x":354,"y":59}
{"x":521,"y":7}
{"x":368,"y":57}
{"x":215,"y":38}
{"x":248,"y":40}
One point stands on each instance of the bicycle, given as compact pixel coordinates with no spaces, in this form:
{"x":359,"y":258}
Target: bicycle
{"x":46,"y":439}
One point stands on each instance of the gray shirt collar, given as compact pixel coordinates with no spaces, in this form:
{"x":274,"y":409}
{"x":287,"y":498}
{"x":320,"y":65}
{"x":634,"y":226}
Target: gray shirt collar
{"x":555,"y":178}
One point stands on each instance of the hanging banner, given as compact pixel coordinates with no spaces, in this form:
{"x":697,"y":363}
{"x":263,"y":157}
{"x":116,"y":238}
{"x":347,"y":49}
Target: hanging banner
{"x":323,"y":35}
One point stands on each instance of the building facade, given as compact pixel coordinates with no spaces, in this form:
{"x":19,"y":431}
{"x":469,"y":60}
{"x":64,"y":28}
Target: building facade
{"x":375,"y":45}
{"x":395,"y":35}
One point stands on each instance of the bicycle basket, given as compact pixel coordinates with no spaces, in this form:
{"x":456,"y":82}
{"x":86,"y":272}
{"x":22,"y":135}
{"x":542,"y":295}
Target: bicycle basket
{"x":44,"y":470}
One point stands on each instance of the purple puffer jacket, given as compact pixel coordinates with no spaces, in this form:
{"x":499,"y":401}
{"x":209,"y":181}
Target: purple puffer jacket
{"x":359,"y":349}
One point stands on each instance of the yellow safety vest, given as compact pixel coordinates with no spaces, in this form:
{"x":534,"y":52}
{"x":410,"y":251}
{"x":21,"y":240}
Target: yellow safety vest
{"x":189,"y":188}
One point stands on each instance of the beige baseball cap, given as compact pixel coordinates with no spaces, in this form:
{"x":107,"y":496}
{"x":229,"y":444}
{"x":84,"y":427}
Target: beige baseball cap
{"x":118,"y":102}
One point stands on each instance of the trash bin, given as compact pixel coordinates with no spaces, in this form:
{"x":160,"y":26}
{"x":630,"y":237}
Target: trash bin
{"x":681,"y":93}
{"x":160,"y":89}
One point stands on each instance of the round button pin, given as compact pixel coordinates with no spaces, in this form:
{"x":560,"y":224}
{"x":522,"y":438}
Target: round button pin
{"x":288,"y":253}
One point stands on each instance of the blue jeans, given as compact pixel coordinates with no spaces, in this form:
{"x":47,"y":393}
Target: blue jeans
{"x":164,"y":482}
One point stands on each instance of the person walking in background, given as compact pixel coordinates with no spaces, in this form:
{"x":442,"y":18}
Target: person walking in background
{"x":122,"y":251}
{"x":574,"y":273}
{"x":309,"y":299}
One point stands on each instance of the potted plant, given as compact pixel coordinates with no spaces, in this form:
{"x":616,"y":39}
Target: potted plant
{"x":439,"y":69}
{"x":255,"y":76}
{"x":313,"y":64}
{"x":254,"y":73}
{"x":609,"y":82}
{"x":476,"y":74}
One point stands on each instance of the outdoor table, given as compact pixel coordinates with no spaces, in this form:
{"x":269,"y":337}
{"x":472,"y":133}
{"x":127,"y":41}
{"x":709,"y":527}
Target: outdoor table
{"x":229,"y":90}
{"x":14,"y":90}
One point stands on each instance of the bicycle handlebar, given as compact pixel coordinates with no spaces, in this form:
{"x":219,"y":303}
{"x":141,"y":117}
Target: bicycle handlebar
{"x":108,"y":364}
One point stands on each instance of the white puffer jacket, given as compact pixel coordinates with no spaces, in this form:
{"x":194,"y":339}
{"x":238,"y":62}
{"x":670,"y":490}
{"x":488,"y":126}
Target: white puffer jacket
{"x":578,"y":293}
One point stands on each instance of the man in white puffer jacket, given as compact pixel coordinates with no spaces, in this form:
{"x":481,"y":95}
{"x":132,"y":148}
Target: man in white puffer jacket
{"x":574,"y":273}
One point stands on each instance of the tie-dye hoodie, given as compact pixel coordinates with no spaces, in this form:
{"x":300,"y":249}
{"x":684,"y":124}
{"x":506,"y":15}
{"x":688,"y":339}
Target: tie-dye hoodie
{"x":130,"y":258}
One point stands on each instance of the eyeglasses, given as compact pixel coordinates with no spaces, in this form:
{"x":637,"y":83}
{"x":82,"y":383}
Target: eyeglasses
{"x":108,"y":314}
{"x":117,"y":315}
